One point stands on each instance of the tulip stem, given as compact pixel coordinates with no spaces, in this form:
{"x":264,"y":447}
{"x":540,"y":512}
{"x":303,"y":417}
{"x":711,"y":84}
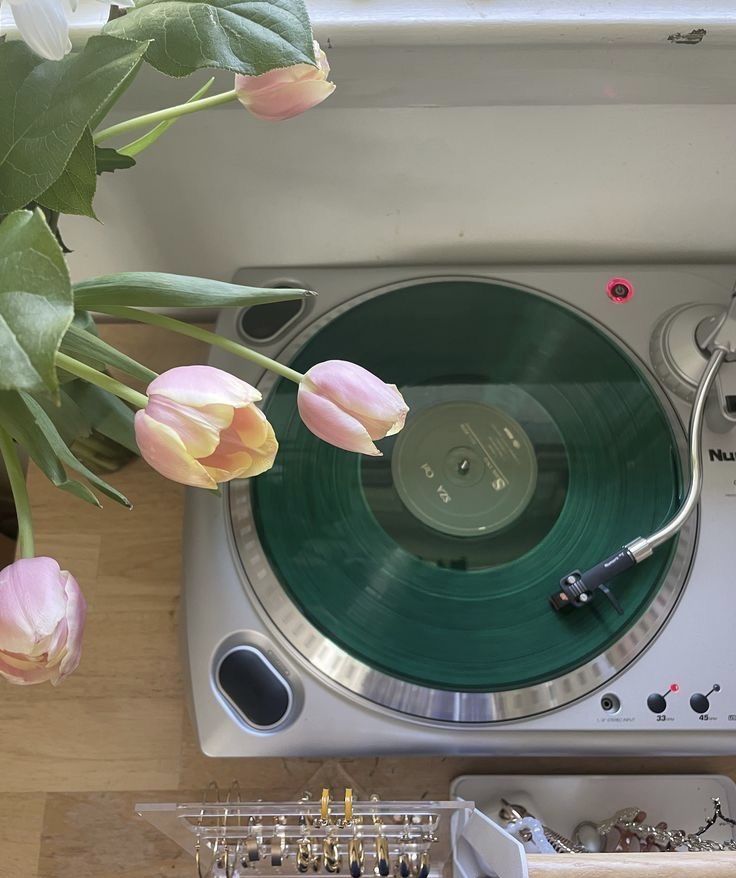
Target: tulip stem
{"x":156,"y":319}
{"x":18,"y":486}
{"x":106,"y":382}
{"x":165,"y":114}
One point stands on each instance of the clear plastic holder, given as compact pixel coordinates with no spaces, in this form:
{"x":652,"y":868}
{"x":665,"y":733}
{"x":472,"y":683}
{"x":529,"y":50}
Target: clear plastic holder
{"x":228,"y":837}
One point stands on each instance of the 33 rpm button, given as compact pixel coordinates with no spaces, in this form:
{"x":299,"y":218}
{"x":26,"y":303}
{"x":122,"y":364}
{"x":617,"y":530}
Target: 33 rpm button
{"x":656,"y":703}
{"x":254,"y":687}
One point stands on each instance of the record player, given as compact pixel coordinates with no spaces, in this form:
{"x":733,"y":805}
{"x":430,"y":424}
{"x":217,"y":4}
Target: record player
{"x":431,"y":600}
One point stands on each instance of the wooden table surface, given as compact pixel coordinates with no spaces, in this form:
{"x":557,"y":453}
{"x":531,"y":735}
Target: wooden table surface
{"x":75,"y":759}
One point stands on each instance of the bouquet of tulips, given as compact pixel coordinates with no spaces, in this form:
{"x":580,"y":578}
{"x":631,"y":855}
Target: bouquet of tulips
{"x":197,"y":425}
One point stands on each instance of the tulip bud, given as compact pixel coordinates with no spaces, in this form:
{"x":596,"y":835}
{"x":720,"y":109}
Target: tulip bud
{"x":42,"y":613}
{"x":348,"y":406}
{"x":200,"y":427}
{"x":287,"y":91}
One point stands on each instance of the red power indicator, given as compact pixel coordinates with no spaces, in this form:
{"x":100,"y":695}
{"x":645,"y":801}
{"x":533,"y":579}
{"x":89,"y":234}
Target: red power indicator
{"x":675,"y":687}
{"x":619,"y":290}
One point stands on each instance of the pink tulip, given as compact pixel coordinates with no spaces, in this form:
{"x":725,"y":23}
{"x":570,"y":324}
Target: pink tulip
{"x":347,"y":406}
{"x":200,"y":427}
{"x":42,"y":613}
{"x":287,"y":91}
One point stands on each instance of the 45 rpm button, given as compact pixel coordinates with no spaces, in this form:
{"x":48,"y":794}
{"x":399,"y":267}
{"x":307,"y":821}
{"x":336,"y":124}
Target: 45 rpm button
{"x":700,"y":702}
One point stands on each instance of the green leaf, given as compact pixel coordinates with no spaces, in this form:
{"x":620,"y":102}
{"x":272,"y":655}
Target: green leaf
{"x":68,"y":418}
{"x":240,"y":35}
{"x":106,"y":413}
{"x":150,"y":137}
{"x":21,"y":425}
{"x":155,"y":290}
{"x":35,"y":302}
{"x":95,"y":352}
{"x":84,"y":320}
{"x":86,"y":410}
{"x":73,"y":345}
{"x":45,"y":107}
{"x":51,"y":434}
{"x":121,"y":86}
{"x":101,"y":454}
{"x":74,"y":190}
{"x":109,"y":160}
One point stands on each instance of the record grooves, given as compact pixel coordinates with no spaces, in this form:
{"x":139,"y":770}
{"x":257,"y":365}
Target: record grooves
{"x":552,"y":448}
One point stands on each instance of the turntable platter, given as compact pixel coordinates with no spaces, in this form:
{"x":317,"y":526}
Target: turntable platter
{"x":535,"y":444}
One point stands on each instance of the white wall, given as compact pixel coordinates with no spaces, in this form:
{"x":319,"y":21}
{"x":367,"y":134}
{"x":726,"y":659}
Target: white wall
{"x":439,"y":154}
{"x":450,"y":184}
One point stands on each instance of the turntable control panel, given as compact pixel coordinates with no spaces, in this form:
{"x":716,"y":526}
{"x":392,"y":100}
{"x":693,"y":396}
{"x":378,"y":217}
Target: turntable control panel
{"x":699,"y":701}
{"x":346,"y":605}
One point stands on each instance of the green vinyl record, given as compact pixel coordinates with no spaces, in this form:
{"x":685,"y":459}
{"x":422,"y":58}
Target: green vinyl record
{"x":534,"y":446}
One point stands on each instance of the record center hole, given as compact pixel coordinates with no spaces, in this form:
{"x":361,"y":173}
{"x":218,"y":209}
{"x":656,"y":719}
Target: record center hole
{"x":610,"y":703}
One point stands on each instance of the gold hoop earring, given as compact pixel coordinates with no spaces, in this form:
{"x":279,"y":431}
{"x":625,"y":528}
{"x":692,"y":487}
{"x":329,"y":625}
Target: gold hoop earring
{"x":383,"y":866}
{"x":331,"y":854}
{"x":355,"y":856}
{"x":304,"y":854}
{"x":325,"y":805}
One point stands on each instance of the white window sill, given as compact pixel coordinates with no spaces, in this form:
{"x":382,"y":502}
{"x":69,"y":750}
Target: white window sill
{"x":354,"y":23}
{"x":478,"y":22}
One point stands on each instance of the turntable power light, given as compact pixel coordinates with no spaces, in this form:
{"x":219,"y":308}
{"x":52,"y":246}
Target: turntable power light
{"x":578,"y":589}
{"x":619,"y":290}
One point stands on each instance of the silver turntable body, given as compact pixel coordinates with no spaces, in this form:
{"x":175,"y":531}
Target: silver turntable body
{"x":265,"y":682}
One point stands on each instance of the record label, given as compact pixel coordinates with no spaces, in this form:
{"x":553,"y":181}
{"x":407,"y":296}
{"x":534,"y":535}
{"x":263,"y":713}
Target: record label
{"x":464,"y":468}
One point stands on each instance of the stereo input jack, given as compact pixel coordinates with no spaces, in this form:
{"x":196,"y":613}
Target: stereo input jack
{"x":610,"y":703}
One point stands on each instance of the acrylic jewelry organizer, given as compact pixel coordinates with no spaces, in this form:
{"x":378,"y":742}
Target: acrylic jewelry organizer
{"x":229,"y":838}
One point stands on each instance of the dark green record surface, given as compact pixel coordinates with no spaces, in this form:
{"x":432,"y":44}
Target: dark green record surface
{"x":460,"y":601}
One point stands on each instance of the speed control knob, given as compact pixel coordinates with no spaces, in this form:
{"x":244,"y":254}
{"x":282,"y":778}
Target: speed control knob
{"x":656,"y":703}
{"x":700,"y":702}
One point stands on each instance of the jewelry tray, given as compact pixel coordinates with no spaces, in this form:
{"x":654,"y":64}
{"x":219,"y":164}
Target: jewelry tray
{"x":482,"y":847}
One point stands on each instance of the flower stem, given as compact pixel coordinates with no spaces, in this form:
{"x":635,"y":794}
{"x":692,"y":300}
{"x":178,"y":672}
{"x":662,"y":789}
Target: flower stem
{"x":150,"y":137}
{"x":165,"y":114}
{"x":232,"y":347}
{"x":17,"y":479}
{"x":82,"y":370}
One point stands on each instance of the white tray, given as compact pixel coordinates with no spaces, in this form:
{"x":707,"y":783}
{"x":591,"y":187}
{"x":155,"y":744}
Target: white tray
{"x":563,"y":801}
